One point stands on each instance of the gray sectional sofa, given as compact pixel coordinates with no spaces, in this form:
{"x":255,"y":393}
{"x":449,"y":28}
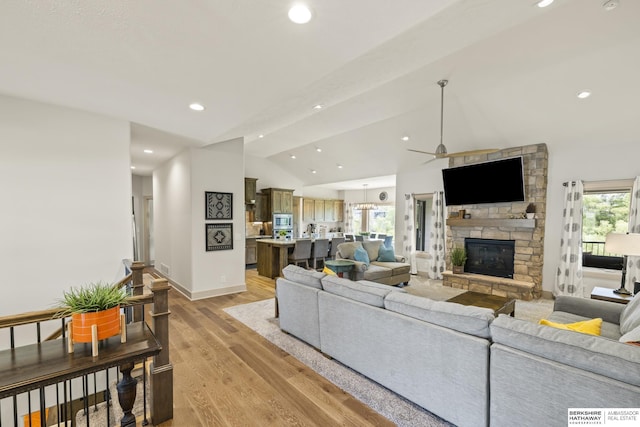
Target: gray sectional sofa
{"x":460,"y":362}
{"x":386,"y":272}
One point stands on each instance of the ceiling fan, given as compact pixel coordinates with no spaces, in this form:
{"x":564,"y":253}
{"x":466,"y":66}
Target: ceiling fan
{"x":441,"y":150}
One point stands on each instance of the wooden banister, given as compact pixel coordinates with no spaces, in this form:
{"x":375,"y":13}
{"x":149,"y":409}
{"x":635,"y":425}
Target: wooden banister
{"x":161,"y":368}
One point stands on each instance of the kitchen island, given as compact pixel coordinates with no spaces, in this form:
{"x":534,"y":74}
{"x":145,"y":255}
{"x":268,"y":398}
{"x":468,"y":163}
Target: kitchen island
{"x":273,"y":256}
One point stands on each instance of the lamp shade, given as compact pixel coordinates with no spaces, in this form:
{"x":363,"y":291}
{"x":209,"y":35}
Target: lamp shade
{"x":623,"y":244}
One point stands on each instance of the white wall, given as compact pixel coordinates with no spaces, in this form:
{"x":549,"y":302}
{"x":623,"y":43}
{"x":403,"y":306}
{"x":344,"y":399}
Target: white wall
{"x":66,"y":201}
{"x":613,"y":159}
{"x":270,"y":175}
{"x":179,"y":188}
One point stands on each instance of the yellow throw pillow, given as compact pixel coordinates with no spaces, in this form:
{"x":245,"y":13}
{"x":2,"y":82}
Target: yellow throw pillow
{"x":591,"y":327}
{"x":326,"y":270}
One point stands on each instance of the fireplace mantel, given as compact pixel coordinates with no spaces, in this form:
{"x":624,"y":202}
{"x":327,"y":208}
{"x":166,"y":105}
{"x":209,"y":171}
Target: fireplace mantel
{"x":492,"y":222}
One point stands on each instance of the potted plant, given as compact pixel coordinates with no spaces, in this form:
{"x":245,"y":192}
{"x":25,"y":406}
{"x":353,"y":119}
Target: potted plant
{"x":458,"y":258}
{"x":530,"y":211}
{"x":282,"y":234}
{"x":94,"y":304}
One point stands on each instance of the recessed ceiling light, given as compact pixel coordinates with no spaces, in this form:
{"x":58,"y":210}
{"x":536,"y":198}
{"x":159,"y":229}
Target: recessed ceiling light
{"x":318,"y":107}
{"x":313,"y":171}
{"x":405,"y":138}
{"x":584,"y":94}
{"x":300,"y":14}
{"x":196,"y":107}
{"x":292,"y":156}
{"x":261,"y":136}
{"x":133,"y":167}
{"x":339,"y":166}
{"x":319,"y":150}
{"x":610,"y":5}
{"x":544,"y":3}
{"x":148,"y":151}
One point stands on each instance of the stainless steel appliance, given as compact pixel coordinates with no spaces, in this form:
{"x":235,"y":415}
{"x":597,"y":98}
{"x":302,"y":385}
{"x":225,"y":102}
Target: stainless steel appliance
{"x":282,"y":226}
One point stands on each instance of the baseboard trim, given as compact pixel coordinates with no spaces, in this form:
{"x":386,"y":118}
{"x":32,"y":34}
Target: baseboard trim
{"x":194,"y":296}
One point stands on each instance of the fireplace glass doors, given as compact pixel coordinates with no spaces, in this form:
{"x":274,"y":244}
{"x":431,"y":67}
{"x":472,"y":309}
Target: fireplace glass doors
{"x":490,"y":257}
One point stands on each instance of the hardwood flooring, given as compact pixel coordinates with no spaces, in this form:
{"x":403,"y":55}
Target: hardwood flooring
{"x":227,"y":375}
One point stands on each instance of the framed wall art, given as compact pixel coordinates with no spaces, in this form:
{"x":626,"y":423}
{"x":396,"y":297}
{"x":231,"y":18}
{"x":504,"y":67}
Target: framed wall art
{"x":219,"y":237}
{"x":218,"y":205}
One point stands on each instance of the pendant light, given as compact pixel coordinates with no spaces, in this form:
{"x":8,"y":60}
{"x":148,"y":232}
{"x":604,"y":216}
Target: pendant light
{"x":366,"y":205}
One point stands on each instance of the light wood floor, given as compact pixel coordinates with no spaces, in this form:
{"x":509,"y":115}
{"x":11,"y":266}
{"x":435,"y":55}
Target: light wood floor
{"x":227,"y":375}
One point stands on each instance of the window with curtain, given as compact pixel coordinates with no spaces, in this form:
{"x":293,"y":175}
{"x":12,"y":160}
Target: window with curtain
{"x":605,"y":210}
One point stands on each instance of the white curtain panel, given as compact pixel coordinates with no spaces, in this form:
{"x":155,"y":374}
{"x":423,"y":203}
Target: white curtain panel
{"x":569,"y":274}
{"x":436,"y":261}
{"x":348,"y":214}
{"x":633,"y":262}
{"x":409,"y":235}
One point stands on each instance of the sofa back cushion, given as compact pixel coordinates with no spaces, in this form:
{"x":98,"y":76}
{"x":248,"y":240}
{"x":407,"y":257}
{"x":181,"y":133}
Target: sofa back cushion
{"x":305,"y":277}
{"x":357,"y":291}
{"x":467,"y":319}
{"x":630,"y":316}
{"x":347,"y":249}
{"x":372,"y":247}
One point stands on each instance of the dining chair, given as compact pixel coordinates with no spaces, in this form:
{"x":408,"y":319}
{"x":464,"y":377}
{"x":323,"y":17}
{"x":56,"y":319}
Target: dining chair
{"x":388,"y":241}
{"x":320,"y":251}
{"x":372,"y":235}
{"x":381,"y":236}
{"x":334,"y":246}
{"x":359,"y":238}
{"x":301,"y":252}
{"x":348,"y":237}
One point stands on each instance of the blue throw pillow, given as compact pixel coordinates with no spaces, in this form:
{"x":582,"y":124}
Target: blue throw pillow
{"x":361,"y":255}
{"x":386,"y":254}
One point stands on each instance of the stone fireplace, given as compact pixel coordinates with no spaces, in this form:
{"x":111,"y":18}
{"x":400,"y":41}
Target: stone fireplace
{"x":506,"y":222}
{"x":492,"y":257}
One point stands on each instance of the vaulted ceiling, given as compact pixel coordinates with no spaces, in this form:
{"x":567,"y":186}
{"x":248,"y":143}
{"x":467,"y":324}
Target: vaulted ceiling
{"x":514,"y":70}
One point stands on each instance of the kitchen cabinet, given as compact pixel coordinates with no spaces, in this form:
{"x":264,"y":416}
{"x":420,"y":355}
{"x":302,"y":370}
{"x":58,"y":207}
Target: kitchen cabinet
{"x":259,"y":209}
{"x":329,"y":215}
{"x":308,"y":210}
{"x":277,"y":200}
{"x":338,"y":210}
{"x":251,"y":251}
{"x":250,"y":190}
{"x":318,"y":210}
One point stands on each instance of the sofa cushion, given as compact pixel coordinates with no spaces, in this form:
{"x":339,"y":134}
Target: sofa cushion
{"x":372,"y":247}
{"x":590,"y":327}
{"x":376,"y":272}
{"x":381,"y":286}
{"x":386,"y":254}
{"x":361,"y":255}
{"x":357,"y":291}
{"x":633,"y":336}
{"x":303,"y":276}
{"x":608,"y":330}
{"x":630,"y":316}
{"x":599,"y":355}
{"x":396,"y":268}
{"x":463,"y":318}
{"x":347,"y":249}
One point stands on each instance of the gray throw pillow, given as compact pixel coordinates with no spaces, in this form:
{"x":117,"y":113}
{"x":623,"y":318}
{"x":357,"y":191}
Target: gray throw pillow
{"x":630,"y":316}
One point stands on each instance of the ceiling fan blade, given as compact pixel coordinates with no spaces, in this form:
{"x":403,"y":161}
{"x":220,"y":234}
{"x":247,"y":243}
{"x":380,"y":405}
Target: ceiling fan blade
{"x":421,"y":152}
{"x":472,"y":152}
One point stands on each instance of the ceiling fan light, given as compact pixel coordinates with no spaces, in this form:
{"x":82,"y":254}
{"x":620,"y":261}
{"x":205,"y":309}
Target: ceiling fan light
{"x":441,"y":150}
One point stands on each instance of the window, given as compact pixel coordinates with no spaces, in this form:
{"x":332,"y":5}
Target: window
{"x":380,"y":220}
{"x":605,"y":210}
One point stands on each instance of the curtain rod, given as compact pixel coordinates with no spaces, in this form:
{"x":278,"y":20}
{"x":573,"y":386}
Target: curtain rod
{"x":566,"y":184}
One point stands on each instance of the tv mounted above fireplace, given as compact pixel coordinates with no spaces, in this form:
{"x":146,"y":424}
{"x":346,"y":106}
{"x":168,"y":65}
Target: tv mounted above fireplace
{"x":489,"y":182}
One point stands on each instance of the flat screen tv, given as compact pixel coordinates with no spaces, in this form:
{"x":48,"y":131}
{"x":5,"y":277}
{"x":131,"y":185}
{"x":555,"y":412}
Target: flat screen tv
{"x":489,"y":182}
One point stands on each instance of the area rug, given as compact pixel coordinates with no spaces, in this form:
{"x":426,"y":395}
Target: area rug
{"x":259,"y":317}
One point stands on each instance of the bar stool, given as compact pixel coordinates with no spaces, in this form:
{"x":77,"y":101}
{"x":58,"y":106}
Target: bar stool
{"x":301,"y":252}
{"x":320,"y":251}
{"x":334,"y":246}
{"x":348,"y":237}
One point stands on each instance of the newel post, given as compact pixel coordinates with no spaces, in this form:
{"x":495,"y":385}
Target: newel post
{"x":137,"y":287}
{"x":161,"y":368}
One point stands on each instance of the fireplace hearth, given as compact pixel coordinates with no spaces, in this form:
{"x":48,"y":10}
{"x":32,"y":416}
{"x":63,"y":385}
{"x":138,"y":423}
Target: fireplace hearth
{"x":490,"y":257}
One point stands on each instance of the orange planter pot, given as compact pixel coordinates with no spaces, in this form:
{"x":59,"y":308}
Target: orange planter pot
{"x":108,"y":322}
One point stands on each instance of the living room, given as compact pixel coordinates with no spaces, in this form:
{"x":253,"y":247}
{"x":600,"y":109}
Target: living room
{"x":68,"y":142}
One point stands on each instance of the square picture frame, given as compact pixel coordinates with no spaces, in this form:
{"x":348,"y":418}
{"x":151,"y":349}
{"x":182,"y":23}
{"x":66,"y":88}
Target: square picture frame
{"x":218,"y":205}
{"x":219,"y":237}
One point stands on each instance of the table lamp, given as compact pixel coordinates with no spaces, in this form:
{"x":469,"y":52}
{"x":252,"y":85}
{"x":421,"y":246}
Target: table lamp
{"x":626,"y":245}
